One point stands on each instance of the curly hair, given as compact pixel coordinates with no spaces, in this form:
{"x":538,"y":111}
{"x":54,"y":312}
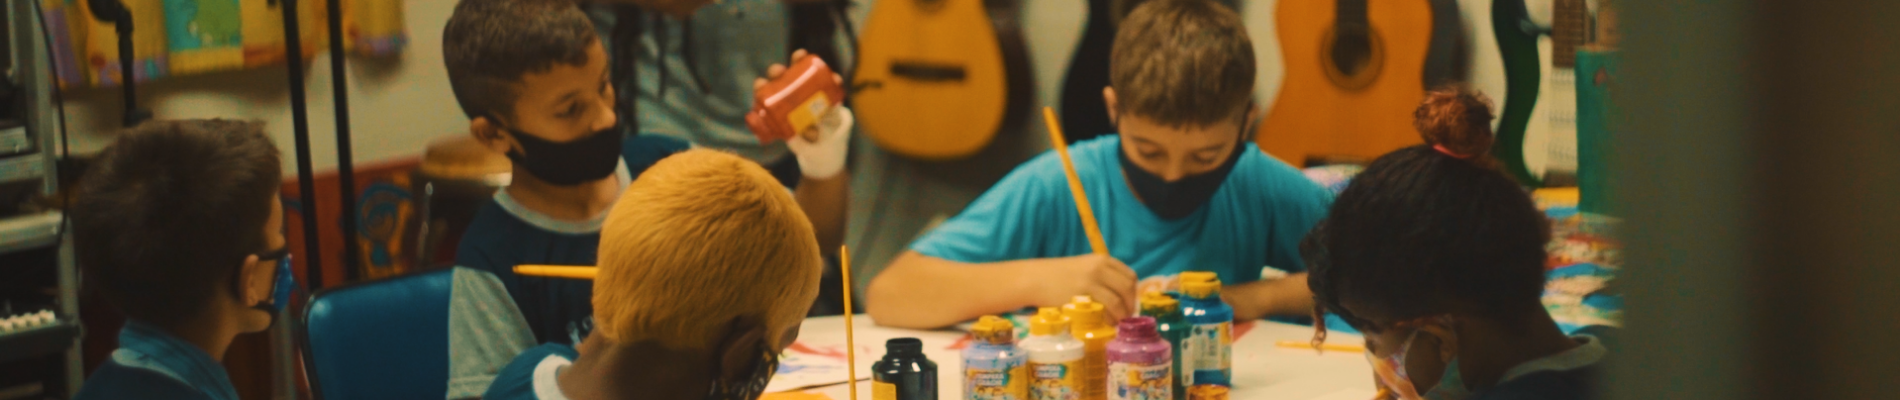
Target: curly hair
{"x":1431,"y":229}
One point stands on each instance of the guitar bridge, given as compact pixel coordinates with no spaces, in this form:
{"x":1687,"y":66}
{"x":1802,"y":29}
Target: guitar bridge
{"x":927,"y":71}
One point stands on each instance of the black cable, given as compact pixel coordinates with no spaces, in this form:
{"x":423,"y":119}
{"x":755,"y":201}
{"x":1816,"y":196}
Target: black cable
{"x":345,"y":166}
{"x":300,"y":122}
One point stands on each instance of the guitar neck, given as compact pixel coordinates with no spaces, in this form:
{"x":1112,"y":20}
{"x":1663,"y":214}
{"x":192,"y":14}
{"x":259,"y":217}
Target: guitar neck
{"x":1351,"y":15}
{"x":1569,"y":30}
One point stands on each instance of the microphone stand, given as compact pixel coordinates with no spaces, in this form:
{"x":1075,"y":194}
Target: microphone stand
{"x":114,"y":12}
{"x":300,"y":122}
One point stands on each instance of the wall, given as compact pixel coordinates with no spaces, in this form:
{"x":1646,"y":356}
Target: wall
{"x":396,"y":104}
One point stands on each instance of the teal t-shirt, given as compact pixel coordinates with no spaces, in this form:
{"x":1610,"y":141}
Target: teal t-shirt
{"x":1256,"y":219}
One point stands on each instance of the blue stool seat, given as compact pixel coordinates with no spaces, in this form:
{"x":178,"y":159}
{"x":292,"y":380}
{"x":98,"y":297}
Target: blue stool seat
{"x":381,"y":339}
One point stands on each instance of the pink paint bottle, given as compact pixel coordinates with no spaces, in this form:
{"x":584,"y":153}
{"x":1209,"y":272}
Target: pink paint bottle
{"x":1140,"y":362}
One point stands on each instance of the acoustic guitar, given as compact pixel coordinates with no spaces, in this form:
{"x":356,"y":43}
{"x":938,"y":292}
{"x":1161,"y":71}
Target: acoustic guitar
{"x":937,"y":79}
{"x":1354,"y":75}
{"x":1537,"y":126}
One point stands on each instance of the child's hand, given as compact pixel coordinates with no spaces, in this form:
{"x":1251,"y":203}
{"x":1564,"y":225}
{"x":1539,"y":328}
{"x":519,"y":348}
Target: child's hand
{"x":821,"y":151}
{"x":1101,"y":277}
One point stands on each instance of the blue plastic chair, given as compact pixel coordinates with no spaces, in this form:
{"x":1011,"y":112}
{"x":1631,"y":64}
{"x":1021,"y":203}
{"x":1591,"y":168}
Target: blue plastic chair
{"x":381,"y":339}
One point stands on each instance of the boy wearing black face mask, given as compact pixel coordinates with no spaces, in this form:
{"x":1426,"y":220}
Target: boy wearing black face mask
{"x":666,"y":331}
{"x":533,"y":78}
{"x":180,"y":226}
{"x":1179,"y":189}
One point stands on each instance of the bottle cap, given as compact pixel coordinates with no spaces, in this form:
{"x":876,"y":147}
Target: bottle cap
{"x":1155,"y":303}
{"x":1200,"y":284}
{"x":1085,"y":315}
{"x":1049,"y":321}
{"x":904,"y":347}
{"x":1142,"y":327}
{"x":994,"y":330}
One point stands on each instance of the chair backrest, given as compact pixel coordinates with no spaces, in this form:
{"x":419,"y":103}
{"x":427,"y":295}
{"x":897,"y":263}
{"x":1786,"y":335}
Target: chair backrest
{"x":381,"y":339}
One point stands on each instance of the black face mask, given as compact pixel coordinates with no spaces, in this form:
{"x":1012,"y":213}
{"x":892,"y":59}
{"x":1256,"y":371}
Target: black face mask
{"x":1175,"y":200}
{"x":577,"y":161}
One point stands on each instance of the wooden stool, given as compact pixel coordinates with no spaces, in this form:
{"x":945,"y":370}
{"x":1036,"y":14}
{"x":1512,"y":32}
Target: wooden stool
{"x":457,"y":176}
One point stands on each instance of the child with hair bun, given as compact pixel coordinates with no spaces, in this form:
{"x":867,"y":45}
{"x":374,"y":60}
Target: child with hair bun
{"x":1438,"y":257}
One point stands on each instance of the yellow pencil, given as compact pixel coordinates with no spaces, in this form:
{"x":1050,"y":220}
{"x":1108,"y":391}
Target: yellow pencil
{"x":557,"y":271}
{"x":850,"y":343}
{"x":1295,"y":344}
{"x":1075,"y":184}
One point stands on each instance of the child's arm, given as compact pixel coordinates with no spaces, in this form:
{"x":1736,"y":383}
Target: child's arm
{"x":923,"y":292}
{"x":824,"y":191}
{"x":1265,"y":298}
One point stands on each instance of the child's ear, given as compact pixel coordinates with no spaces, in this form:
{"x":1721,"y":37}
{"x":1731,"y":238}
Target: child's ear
{"x":489,"y":134}
{"x":255,"y":280}
{"x":1108,"y":98}
{"x":739,"y":353}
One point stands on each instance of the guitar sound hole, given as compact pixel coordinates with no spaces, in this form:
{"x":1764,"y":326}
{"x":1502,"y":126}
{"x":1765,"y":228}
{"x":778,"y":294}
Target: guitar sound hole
{"x":1353,"y":52}
{"x":924,"y":71}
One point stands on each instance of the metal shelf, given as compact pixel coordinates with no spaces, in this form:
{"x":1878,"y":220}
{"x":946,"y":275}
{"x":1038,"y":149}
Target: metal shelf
{"x":29,"y":231}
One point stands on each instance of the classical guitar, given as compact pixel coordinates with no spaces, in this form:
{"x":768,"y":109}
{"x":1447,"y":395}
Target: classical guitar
{"x":1537,"y":126}
{"x":1354,"y":74}
{"x":936,"y":79}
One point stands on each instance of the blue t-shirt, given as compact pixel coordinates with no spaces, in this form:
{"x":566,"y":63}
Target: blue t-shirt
{"x":531,"y":375}
{"x":152,"y":364}
{"x":504,"y":234}
{"x":1255,"y":219}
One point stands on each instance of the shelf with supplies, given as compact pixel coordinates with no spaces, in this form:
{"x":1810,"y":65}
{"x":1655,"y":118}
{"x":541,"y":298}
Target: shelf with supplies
{"x":29,"y":231}
{"x":35,"y":334}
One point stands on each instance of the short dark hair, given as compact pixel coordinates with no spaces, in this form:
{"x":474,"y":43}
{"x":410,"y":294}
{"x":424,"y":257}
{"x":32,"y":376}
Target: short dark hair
{"x":489,"y":45}
{"x":1182,"y":63}
{"x":167,"y":213}
{"x":1425,"y":231}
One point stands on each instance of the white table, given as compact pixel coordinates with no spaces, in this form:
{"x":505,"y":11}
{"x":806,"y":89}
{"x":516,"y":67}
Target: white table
{"x":1262,"y":370}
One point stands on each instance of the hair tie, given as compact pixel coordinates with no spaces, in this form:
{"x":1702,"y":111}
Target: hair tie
{"x":1441,"y":149}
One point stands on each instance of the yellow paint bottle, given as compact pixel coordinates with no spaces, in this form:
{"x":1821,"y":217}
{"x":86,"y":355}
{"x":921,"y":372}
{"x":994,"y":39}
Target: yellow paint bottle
{"x":1089,"y":323}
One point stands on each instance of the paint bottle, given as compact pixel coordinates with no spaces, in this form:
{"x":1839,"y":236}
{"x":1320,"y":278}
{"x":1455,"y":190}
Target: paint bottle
{"x":1088,"y":322}
{"x":1207,"y":350}
{"x":1055,"y":357}
{"x":1167,"y":314}
{"x":993,"y":368}
{"x":794,"y":102}
{"x":1140,"y":363}
{"x":904,"y":373}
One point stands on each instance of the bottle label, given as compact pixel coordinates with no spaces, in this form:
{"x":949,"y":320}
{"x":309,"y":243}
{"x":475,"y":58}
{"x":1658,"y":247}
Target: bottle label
{"x":1138,"y":381}
{"x":1056,"y":381}
{"x":883,"y":391}
{"x":1010,"y":382}
{"x":1208,"y":347}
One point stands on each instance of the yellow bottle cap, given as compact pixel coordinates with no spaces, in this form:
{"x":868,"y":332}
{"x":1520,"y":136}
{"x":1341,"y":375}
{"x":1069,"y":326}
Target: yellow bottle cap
{"x":1200,"y":284}
{"x":1156,"y":303}
{"x":994,"y":329}
{"x":1049,"y":321}
{"x":1085,"y":314}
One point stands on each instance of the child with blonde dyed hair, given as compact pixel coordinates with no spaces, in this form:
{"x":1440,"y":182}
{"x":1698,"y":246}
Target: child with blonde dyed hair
{"x":699,"y":288}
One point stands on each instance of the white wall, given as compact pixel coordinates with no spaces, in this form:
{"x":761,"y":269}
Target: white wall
{"x":397,"y":104}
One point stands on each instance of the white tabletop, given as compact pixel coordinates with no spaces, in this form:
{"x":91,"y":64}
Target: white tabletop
{"x":1262,"y":370}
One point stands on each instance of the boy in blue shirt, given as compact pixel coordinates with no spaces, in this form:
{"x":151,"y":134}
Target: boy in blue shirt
{"x":707,"y":268}
{"x":1181,"y":188}
{"x":179,"y":225}
{"x":533,"y":77}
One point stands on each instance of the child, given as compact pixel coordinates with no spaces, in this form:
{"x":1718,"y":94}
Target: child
{"x":180,"y":226}
{"x":707,"y":267}
{"x":1181,"y":188}
{"x":533,"y":78}
{"x":1439,"y":259}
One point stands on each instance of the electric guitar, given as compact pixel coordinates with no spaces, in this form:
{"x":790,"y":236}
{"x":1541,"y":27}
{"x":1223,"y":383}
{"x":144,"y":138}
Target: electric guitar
{"x":1354,"y":75}
{"x":936,"y":79}
{"x":1537,"y":128}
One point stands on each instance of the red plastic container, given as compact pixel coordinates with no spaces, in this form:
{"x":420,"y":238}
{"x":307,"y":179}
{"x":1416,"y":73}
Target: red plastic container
{"x":795,"y":101}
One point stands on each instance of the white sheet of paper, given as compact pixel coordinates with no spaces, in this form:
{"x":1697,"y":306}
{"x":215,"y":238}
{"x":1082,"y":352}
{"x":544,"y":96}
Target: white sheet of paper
{"x":1349,"y":394}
